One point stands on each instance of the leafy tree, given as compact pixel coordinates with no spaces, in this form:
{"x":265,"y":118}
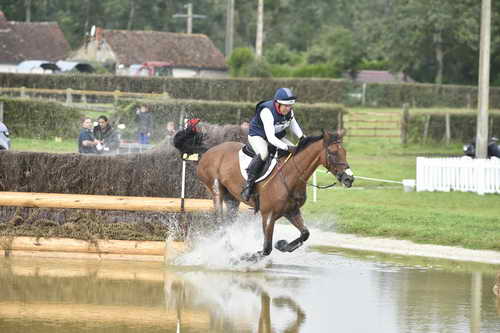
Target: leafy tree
{"x":240,"y":59}
{"x":280,"y":54}
{"x":337,"y":46}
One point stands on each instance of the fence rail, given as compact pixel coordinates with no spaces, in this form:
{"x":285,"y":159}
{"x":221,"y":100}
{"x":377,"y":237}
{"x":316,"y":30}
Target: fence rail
{"x":458,"y":174}
{"x":70,"y":94}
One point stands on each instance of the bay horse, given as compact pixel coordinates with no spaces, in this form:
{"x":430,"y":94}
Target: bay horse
{"x":283,"y":193}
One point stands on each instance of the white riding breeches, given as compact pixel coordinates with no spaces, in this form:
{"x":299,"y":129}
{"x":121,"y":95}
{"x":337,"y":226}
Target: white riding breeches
{"x":259,"y":145}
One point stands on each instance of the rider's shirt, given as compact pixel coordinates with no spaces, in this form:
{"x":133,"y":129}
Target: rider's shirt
{"x":271,"y":125}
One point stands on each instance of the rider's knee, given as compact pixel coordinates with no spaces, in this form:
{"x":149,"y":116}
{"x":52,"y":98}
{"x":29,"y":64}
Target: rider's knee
{"x":263,"y":155}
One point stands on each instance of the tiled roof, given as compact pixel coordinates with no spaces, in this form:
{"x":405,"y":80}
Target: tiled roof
{"x":26,"y":41}
{"x":183,"y":50}
{"x":372,"y":76}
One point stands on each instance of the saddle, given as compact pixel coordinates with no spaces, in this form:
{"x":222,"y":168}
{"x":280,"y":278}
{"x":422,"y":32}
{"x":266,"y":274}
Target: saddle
{"x":245,"y":157}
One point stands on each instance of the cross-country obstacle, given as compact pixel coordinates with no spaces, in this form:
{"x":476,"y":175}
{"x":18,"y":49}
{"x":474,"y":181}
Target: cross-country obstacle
{"x":63,"y":247}
{"x":103,"y":202}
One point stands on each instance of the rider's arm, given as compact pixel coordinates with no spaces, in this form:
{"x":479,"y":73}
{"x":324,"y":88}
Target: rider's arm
{"x":294,"y":126}
{"x":268,"y":122}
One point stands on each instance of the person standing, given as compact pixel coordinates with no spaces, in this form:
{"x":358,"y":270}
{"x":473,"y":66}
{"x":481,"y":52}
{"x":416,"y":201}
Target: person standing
{"x":106,"y":135}
{"x":86,"y":140}
{"x":268,"y":126}
{"x":144,"y":120}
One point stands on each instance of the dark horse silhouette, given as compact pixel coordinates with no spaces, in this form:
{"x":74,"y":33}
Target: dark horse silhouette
{"x":283,"y":192}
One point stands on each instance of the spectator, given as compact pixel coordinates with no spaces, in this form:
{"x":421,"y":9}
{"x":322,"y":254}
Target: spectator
{"x":109,"y":140}
{"x":86,"y":141}
{"x":144,"y":119}
{"x":170,"y":129}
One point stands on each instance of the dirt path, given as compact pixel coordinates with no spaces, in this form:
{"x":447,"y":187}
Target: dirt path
{"x":403,"y":247}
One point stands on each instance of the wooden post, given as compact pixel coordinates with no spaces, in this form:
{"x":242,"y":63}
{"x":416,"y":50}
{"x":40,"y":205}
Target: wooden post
{"x":229,"y":27}
{"x":363,"y":96}
{"x":426,"y":127}
{"x":405,"y":119}
{"x":260,"y":29}
{"x":116,"y":95}
{"x":1,"y":112}
{"x":447,"y":135}
{"x":340,"y":121}
{"x":69,"y":96}
{"x":23,"y":92}
{"x":484,"y":81}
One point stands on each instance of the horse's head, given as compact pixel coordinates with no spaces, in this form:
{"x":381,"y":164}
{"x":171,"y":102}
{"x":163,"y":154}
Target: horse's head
{"x":335,"y":158}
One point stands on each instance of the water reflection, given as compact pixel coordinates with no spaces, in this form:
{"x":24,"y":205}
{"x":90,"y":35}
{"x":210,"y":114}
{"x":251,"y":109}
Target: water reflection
{"x":235,"y":302}
{"x":351,"y":295}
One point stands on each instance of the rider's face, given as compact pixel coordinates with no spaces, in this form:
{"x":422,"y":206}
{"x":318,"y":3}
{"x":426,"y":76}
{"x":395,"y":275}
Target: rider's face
{"x":284,"y":109}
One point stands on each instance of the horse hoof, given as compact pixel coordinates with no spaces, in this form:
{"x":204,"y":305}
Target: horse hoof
{"x":291,"y":248}
{"x":281,"y":245}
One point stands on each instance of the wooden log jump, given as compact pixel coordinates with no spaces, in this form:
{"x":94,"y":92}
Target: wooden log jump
{"x":99,"y":249}
{"x":103,"y":202}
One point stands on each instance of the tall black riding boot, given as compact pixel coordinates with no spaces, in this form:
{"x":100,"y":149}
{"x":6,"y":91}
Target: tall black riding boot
{"x":253,"y":171}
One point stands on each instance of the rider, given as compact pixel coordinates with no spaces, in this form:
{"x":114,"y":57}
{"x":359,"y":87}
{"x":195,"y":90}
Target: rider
{"x":268,"y":126}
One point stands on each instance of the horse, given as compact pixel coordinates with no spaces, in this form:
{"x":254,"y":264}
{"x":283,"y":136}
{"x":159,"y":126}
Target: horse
{"x":283,"y":192}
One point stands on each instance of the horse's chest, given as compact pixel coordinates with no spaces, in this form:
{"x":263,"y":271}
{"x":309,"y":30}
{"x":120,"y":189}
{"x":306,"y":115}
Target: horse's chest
{"x":297,"y":199}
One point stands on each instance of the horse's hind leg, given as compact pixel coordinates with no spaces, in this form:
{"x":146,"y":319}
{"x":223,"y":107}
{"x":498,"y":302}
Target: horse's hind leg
{"x":296,"y":219}
{"x":217,"y":196}
{"x":232,"y":205}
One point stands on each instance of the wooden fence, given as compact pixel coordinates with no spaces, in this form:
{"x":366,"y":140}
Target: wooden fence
{"x":70,"y":95}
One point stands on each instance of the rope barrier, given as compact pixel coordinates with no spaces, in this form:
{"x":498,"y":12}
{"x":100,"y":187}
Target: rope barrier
{"x":315,"y":190}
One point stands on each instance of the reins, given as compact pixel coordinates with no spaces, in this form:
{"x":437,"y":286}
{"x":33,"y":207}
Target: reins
{"x":321,"y":187}
{"x":277,"y":171}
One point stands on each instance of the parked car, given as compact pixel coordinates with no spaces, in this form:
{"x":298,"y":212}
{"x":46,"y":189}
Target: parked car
{"x":4,"y":137}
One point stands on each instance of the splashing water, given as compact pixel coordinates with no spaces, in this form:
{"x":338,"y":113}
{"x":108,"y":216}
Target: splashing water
{"x":225,"y":248}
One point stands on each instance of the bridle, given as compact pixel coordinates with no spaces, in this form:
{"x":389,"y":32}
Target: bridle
{"x":330,"y":160}
{"x":331,"y":157}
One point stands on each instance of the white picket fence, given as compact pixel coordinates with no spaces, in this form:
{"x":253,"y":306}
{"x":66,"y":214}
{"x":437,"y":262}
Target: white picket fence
{"x":458,"y":174}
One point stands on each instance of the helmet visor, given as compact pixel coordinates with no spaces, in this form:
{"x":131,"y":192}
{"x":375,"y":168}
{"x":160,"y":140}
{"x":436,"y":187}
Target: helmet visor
{"x":286,"y":102}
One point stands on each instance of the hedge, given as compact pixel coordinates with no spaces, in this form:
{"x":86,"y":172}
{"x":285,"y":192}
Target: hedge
{"x":462,"y":126}
{"x":254,"y":90}
{"x":154,"y":173}
{"x":38,"y":119}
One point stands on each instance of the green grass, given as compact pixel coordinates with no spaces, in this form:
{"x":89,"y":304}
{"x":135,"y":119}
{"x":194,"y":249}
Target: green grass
{"x":44,"y":145}
{"x":385,"y":210}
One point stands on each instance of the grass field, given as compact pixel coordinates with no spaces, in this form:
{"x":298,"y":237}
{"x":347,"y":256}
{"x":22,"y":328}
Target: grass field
{"x":383,"y":209}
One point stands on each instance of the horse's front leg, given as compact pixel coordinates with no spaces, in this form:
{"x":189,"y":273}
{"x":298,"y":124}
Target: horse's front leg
{"x":296,"y":219}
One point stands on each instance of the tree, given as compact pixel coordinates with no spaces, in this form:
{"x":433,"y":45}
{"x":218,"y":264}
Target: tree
{"x":421,"y":37}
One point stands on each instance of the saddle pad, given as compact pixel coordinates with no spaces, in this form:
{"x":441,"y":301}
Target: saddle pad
{"x":245,"y":161}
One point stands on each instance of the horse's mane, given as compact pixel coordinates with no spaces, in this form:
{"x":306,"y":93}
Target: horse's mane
{"x":308,"y":141}
{"x":304,"y":143}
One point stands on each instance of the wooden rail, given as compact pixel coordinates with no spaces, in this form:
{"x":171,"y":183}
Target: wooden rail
{"x":116,"y":93}
{"x":103,"y":202}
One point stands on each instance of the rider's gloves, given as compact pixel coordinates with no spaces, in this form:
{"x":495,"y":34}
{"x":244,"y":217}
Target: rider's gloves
{"x":292,"y":149}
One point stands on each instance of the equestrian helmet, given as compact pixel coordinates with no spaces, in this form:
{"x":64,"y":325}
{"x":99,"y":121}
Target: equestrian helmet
{"x":285,"y":96}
